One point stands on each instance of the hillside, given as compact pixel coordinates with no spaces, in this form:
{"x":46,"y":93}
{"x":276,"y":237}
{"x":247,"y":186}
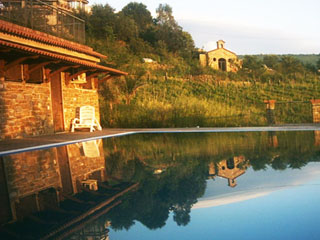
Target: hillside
{"x":304,"y":58}
{"x":175,"y":91}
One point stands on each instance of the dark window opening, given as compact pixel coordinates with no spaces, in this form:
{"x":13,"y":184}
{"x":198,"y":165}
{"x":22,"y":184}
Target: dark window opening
{"x":36,"y":76}
{"x":14,"y":74}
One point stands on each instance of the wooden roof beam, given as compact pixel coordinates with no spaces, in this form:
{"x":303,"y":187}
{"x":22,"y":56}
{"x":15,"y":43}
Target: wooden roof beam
{"x":40,"y":65}
{"x":106,"y":78}
{"x":94,"y":74}
{"x":77,"y":74}
{"x":59,"y":70}
{"x":18,"y":61}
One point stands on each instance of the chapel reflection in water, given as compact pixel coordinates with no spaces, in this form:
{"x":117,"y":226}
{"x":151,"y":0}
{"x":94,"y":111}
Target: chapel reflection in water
{"x":229,"y":169}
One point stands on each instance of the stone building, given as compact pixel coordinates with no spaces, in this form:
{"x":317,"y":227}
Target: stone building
{"x":44,"y":79}
{"x":220,"y":59}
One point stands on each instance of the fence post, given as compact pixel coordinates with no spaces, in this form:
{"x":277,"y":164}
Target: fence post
{"x":315,"y":110}
{"x":270,"y":106}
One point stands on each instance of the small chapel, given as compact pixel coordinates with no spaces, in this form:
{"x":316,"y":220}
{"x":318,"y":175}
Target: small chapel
{"x":220,"y":59}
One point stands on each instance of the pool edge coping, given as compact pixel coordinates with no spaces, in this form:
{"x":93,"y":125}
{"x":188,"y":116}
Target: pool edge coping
{"x":164,"y":130}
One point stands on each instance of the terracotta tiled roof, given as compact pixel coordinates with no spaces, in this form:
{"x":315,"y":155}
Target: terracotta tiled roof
{"x":61,"y":57}
{"x":46,"y":38}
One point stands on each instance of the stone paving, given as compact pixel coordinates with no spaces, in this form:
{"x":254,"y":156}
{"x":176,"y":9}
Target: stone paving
{"x":59,"y":139}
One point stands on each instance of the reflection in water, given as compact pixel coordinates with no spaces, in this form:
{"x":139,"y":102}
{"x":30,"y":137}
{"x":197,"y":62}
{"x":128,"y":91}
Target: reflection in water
{"x":53,"y":192}
{"x":230,"y":169}
{"x":82,"y":191}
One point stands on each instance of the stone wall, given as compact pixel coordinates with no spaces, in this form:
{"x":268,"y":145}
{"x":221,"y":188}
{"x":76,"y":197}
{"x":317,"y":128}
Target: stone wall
{"x":203,"y":59}
{"x":30,"y":172}
{"x":75,"y":96}
{"x":25,"y":109}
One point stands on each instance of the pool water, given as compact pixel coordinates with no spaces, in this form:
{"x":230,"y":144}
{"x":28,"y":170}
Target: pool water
{"x":257,"y":185}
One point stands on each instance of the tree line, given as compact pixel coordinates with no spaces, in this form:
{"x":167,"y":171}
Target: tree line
{"x":132,"y":33}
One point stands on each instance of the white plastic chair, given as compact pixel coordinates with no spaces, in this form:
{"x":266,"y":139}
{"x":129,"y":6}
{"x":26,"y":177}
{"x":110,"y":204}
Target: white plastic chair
{"x":86,"y":119}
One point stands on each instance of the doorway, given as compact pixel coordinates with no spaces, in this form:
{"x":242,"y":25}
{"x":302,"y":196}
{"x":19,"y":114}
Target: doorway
{"x":222,"y":64}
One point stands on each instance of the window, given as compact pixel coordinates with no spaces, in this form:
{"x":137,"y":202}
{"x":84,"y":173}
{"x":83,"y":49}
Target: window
{"x":14,"y":74}
{"x":35,"y":76}
{"x":79,"y":79}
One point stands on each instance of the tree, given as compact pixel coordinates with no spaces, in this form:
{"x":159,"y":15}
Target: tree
{"x":318,"y":64}
{"x":171,"y":33}
{"x":125,"y":28}
{"x":165,"y":17}
{"x":271,"y":61}
{"x":130,"y":84}
{"x":290,"y":66}
{"x":254,"y":66}
{"x":101,"y":22}
{"x":140,"y":14}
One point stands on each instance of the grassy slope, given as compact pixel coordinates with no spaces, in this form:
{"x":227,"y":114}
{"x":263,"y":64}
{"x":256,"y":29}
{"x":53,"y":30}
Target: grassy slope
{"x":178,"y":103}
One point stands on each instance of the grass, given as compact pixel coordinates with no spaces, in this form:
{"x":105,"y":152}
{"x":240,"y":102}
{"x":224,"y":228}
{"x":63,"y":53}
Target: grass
{"x":188,"y":103}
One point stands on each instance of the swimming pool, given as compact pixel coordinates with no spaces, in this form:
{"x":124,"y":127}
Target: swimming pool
{"x":247,"y":185}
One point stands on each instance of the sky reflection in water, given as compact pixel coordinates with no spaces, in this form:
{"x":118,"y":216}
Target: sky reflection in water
{"x":259,"y":185}
{"x":287,"y":210}
{"x":266,"y":203}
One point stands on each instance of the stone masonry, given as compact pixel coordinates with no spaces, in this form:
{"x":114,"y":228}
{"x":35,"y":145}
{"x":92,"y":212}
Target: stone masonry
{"x":25,"y":109}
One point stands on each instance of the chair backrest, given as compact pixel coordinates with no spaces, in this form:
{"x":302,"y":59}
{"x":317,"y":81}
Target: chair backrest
{"x":87,"y":115}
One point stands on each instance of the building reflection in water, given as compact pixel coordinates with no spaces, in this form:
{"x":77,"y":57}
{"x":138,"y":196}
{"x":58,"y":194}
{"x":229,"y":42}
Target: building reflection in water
{"x":56,"y":188}
{"x":229,"y":169}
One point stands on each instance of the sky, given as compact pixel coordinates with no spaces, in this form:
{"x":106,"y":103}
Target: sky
{"x":247,"y":26}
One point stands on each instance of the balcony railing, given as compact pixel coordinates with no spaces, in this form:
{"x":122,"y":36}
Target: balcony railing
{"x":45,"y":17}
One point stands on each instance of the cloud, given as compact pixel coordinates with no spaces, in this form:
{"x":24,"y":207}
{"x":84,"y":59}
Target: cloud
{"x":225,"y":200}
{"x":307,"y":176}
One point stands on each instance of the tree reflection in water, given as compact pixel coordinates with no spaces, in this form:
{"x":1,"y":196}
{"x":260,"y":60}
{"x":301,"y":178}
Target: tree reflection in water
{"x":173,"y":169}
